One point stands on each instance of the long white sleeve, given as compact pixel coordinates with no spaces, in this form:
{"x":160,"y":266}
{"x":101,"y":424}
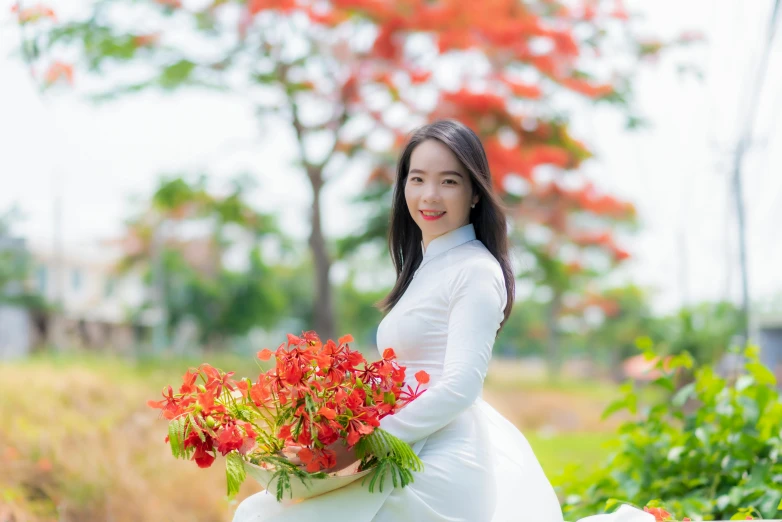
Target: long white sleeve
{"x":476,"y":310}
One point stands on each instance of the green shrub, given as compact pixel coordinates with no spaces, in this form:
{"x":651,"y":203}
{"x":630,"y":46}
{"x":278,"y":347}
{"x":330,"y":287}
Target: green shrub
{"x":706,"y":449}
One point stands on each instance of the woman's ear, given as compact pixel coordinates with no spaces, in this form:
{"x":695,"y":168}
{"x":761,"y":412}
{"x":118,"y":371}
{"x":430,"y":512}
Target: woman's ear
{"x":475,"y":198}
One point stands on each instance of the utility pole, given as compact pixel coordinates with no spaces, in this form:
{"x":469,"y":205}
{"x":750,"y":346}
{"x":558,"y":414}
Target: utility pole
{"x":160,"y":328}
{"x":744,"y":142}
{"x":58,"y":266}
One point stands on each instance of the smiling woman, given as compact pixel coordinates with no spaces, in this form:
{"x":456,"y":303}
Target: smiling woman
{"x":454,"y":290}
{"x":438,"y":191}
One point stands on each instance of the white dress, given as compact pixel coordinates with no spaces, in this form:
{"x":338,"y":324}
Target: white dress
{"x":477,"y":466}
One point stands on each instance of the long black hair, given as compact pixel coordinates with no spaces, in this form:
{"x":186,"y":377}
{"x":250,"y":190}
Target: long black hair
{"x":488,"y":216}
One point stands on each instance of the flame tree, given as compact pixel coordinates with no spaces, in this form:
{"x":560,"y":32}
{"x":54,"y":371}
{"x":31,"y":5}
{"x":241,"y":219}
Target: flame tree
{"x":352,"y":77}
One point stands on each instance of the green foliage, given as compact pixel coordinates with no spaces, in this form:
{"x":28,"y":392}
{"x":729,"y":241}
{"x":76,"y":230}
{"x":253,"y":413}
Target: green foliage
{"x":704,"y":330}
{"x":356,"y":312}
{"x":615,"y":337}
{"x":234,"y":472}
{"x":388,"y":455}
{"x":176,"y":437}
{"x":374,"y":230}
{"x":707,"y":449}
{"x":524,"y":332}
{"x":226,"y":304}
{"x":285,"y":470}
{"x":15,"y":264}
{"x":222,"y":302}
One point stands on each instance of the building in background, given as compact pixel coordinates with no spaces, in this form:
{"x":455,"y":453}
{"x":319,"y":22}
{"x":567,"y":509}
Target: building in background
{"x":92,"y":303}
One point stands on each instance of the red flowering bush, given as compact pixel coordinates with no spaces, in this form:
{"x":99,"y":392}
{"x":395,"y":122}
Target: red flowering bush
{"x":294,"y":417}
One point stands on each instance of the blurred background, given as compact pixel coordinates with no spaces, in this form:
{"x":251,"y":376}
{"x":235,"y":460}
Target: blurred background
{"x":187,"y":181}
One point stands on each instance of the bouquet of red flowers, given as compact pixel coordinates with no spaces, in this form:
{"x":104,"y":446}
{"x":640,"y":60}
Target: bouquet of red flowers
{"x":319,"y":400}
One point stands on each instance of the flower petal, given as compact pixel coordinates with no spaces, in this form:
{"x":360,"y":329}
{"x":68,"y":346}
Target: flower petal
{"x":422,"y":377}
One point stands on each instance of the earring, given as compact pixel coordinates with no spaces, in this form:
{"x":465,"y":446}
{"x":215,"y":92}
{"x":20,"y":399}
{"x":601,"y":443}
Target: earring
{"x":473,"y":205}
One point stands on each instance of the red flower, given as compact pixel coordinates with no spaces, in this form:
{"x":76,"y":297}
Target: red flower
{"x":659,"y":514}
{"x":417,"y":77}
{"x":398,"y":375}
{"x":356,"y":428}
{"x":242,"y":386}
{"x":170,"y":3}
{"x":305,"y":436}
{"x":354,"y":359}
{"x":229,"y":439}
{"x":145,"y":40}
{"x":32,"y":14}
{"x":328,"y":433}
{"x":260,"y":393}
{"x":59,"y":71}
{"x":169,"y":404}
{"x":217,"y":380}
{"x":235,"y":437}
{"x":316,"y":395}
{"x":202,"y":455}
{"x":318,"y":459}
{"x":311,"y":338}
{"x":207,"y":403}
{"x":328,"y":413}
{"x":203,"y":458}
{"x":356,"y":399}
{"x":188,"y":382}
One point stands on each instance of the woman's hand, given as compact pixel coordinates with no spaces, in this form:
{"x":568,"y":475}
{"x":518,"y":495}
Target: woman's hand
{"x":345,"y":457}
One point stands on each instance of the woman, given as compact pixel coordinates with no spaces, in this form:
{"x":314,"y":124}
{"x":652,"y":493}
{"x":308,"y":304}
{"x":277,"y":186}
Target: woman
{"x":454,"y":291}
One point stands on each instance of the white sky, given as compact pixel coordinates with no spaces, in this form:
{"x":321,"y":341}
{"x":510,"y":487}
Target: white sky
{"x":677,"y":173}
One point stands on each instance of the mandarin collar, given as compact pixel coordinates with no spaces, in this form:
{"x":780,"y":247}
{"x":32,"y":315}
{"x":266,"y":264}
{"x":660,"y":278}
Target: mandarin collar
{"x":447,"y":241}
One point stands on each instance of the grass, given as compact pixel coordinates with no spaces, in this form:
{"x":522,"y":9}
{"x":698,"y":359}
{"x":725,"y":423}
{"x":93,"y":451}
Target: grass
{"x":79,"y":443}
{"x":585,"y":451}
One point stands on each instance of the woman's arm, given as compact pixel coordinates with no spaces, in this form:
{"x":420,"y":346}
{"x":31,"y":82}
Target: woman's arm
{"x":476,"y":311}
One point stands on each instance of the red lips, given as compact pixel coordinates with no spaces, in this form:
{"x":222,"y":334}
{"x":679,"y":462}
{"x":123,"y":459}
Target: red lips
{"x":431,"y":218}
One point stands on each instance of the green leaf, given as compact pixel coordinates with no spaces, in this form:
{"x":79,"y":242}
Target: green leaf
{"x":683,"y":394}
{"x":644,"y":343}
{"x":744,"y":382}
{"x":683,"y":359}
{"x":234,"y":472}
{"x":752,"y":352}
{"x":176,"y":436}
{"x":176,"y":73}
{"x":617,"y":405}
{"x":761,"y":374}
{"x":675,"y":453}
{"x":664,"y":382}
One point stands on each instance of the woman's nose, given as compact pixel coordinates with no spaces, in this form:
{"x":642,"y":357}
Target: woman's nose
{"x":431,"y":192}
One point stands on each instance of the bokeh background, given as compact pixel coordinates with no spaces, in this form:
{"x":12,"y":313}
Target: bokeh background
{"x":188,"y":181}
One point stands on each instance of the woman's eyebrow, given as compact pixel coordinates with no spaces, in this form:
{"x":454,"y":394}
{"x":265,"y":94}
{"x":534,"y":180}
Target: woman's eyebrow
{"x":453,"y":172}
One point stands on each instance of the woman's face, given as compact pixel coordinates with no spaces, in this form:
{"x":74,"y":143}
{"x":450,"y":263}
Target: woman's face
{"x":438,"y":190}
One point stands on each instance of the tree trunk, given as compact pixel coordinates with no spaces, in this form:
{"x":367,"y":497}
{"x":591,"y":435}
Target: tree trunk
{"x":553,"y":356}
{"x":323,"y":312}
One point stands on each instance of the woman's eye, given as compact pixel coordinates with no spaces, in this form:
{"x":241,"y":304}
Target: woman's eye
{"x":450,"y":182}
{"x":415,"y":178}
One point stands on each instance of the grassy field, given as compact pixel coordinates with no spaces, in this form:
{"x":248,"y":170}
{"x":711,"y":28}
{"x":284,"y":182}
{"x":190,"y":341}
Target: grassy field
{"x":78,"y":442}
